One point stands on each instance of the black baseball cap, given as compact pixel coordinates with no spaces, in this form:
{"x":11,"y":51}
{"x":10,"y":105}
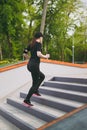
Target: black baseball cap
{"x":38,"y":35}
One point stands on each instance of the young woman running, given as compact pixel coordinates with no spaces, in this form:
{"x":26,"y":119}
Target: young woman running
{"x":34,"y":65}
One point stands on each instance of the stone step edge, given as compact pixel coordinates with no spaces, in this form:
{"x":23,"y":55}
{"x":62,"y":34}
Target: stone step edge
{"x":65,"y":87}
{"x":15,"y":120}
{"x":69,"y":79}
{"x":71,"y":97}
{"x":53,"y":104}
{"x":38,"y":113}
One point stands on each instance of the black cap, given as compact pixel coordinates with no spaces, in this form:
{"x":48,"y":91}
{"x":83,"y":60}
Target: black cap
{"x":38,"y":35}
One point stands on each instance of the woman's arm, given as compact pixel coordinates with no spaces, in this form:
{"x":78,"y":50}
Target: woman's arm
{"x":39,"y":54}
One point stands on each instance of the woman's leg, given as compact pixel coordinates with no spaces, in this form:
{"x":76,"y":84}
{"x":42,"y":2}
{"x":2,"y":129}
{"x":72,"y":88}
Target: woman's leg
{"x":41,"y":78}
{"x":34,"y":69}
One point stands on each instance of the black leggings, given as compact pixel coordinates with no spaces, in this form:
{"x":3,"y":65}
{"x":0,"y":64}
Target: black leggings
{"x":37,"y":78}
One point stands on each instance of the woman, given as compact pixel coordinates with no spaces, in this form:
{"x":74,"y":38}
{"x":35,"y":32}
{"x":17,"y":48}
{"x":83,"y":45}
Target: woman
{"x":33,"y":65}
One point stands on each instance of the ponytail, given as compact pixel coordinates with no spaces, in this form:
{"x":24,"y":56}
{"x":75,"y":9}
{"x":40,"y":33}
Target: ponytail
{"x":33,"y":42}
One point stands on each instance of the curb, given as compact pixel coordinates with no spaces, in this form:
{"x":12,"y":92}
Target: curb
{"x":13,"y":66}
{"x":45,"y":61}
{"x":64,"y":63}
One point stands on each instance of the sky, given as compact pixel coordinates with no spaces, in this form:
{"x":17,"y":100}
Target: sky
{"x":84,"y":3}
{"x":84,"y":7}
{"x":84,"y":10}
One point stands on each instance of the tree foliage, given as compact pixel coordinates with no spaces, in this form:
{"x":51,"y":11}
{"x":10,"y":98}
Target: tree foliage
{"x":20,"y":19}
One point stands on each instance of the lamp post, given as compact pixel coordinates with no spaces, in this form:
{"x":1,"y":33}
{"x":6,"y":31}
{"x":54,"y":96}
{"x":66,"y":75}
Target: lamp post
{"x":73,"y":50}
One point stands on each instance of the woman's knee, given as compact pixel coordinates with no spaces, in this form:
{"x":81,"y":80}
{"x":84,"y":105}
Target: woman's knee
{"x":42,"y":76}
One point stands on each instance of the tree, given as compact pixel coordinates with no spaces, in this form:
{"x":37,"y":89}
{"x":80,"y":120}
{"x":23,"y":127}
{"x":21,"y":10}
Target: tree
{"x":44,"y":16}
{"x":11,"y":19}
{"x":80,"y":41}
{"x":20,"y":19}
{"x":58,"y":23}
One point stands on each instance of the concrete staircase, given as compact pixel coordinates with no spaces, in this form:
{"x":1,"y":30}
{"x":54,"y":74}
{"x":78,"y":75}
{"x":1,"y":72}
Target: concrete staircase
{"x":60,"y":95}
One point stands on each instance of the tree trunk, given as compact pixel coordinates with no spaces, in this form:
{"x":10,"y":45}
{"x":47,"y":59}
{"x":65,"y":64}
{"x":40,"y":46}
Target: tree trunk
{"x":44,"y":16}
{"x":10,"y":46}
{"x":30,"y":31}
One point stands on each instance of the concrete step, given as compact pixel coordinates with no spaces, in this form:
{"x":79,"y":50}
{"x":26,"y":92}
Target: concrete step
{"x":72,"y":87}
{"x":40,"y":110}
{"x":59,"y":96}
{"x":45,"y":116}
{"x":62,"y":101}
{"x":64,"y":91}
{"x":64,"y":95}
{"x":47,"y":109}
{"x":70,"y":80}
{"x":21,"y":119}
{"x":47,"y":102}
{"x":6,"y":125}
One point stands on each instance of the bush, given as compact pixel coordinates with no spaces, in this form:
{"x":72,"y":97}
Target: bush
{"x":8,"y":61}
{"x":4,"y":62}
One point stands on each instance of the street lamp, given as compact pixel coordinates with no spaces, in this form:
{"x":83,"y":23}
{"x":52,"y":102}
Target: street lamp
{"x":73,"y":50}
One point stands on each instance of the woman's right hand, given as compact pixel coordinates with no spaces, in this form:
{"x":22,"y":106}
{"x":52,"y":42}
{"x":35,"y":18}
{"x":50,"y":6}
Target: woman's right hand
{"x":47,"y":56}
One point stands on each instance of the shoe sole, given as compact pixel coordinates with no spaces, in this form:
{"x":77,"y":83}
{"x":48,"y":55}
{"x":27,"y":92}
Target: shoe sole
{"x":27,"y":105}
{"x":36,"y":95}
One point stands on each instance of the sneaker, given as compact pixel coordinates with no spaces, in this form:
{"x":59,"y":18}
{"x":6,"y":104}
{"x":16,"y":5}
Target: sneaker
{"x":28,"y":102}
{"x":37,"y":94}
